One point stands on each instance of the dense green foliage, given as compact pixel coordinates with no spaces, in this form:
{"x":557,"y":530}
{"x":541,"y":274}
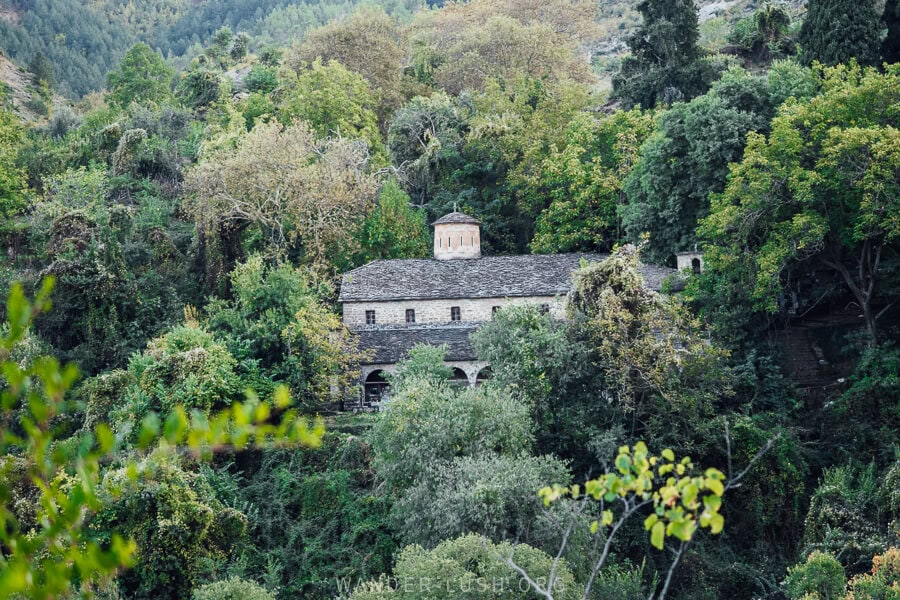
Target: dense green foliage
{"x":733,"y":434}
{"x":832,"y":33}
{"x":666,"y":62}
{"x":141,"y":77}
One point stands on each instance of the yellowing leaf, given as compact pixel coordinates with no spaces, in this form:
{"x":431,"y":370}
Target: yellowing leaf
{"x":657,"y":534}
{"x":716,"y":523}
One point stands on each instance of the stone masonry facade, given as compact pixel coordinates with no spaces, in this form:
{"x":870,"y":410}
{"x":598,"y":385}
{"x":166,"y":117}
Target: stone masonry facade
{"x":431,"y":312}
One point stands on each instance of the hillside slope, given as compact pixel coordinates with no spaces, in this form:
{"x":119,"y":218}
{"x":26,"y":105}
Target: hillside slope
{"x":19,"y":93}
{"x":84,"y":39}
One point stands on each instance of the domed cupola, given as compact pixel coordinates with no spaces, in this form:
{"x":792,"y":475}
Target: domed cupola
{"x":457,"y":235}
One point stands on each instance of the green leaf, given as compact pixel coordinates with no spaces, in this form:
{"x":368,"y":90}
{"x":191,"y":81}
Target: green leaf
{"x":105,"y":438}
{"x":176,"y":425}
{"x":668,"y":455}
{"x":149,"y":430}
{"x":657,"y":534}
{"x":716,"y":524}
{"x":715,"y":486}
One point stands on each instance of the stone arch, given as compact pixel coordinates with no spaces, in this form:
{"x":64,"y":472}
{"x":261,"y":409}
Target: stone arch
{"x":375,"y":387}
{"x":696,"y":265}
{"x":459,"y":377}
{"x":482,"y":376}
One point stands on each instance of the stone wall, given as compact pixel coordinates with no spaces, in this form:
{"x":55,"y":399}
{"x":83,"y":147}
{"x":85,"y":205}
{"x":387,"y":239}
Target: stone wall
{"x":472,"y":310}
{"x":457,"y":240}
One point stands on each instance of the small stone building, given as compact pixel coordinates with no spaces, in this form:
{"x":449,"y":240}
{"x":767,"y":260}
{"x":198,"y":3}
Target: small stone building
{"x":693,"y":261}
{"x":392,"y":305}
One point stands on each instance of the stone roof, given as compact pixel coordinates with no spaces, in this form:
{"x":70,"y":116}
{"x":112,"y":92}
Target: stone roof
{"x":457,"y":217}
{"x":485,"y":277}
{"x":392,"y":344}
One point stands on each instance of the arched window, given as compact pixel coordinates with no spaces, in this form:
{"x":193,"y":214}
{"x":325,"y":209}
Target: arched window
{"x":375,"y":388}
{"x":483,"y":375}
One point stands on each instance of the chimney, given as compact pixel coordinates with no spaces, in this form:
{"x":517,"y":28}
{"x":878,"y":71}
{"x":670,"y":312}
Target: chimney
{"x":457,"y":235}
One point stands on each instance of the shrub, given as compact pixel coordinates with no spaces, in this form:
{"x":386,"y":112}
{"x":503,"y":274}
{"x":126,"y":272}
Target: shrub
{"x":845,"y":517}
{"x":232,"y":589}
{"x":620,"y":584}
{"x":63,"y":121}
{"x":37,"y":106}
{"x":820,"y":577}
{"x":468,"y":567}
{"x":426,"y":422}
{"x":187,"y":367}
{"x":882,"y":583}
{"x":494,"y":496}
{"x":261,"y":79}
{"x":181,"y":529}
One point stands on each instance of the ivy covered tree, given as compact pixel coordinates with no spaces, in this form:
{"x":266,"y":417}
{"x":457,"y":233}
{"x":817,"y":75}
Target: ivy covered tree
{"x":835,"y":32}
{"x":295,"y":189}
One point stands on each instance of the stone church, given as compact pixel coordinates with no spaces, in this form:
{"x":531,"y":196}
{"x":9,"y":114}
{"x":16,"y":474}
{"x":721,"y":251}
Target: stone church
{"x":392,"y":305}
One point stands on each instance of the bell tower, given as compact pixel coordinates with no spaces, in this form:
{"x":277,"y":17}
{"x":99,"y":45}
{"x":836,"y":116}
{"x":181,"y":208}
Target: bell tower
{"x":457,"y":235}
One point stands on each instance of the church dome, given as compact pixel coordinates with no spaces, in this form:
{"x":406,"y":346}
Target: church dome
{"x":457,"y":218}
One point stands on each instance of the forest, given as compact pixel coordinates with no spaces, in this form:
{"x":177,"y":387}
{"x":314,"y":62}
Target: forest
{"x":195,"y":177}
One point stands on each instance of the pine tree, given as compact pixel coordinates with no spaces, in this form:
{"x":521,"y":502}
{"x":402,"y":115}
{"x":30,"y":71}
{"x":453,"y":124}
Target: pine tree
{"x":836,"y":31}
{"x":42,"y":70}
{"x":890,"y":50}
{"x":665,"y":58}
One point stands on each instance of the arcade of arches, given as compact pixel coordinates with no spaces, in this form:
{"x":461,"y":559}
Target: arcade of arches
{"x":377,"y":389}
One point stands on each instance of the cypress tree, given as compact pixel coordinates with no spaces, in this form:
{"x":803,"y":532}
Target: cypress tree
{"x":835,"y":31}
{"x":664,"y":55}
{"x":668,"y":35}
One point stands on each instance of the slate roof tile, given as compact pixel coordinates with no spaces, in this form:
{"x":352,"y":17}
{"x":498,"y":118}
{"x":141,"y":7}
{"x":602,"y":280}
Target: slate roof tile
{"x":485,"y":277}
{"x":392,"y":344}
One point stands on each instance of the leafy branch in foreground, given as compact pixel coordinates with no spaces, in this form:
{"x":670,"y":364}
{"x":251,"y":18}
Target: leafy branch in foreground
{"x":50,"y":553}
{"x":683,"y":499}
